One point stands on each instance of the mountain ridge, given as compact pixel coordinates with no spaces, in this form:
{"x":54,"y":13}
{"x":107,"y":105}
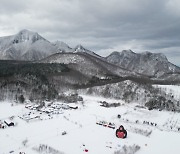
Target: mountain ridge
{"x":147,"y":63}
{"x":30,"y":46}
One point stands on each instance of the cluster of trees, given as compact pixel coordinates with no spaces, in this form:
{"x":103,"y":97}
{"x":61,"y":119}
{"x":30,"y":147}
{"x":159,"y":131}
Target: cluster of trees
{"x":128,"y":149}
{"x":10,"y":68}
{"x":129,"y":91}
{"x":71,"y":98}
{"x":21,"y":80}
{"x":47,"y":149}
{"x":161,"y":103}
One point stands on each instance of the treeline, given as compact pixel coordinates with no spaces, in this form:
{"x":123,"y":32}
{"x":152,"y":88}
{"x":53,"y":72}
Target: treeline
{"x":10,"y":68}
{"x":29,"y":80}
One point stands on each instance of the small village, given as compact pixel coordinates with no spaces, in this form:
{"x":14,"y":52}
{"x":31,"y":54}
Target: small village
{"x":34,"y":112}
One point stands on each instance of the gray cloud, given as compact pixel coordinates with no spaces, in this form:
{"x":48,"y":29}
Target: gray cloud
{"x":99,"y":25}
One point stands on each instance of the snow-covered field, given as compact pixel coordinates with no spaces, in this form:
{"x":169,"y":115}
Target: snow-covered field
{"x":160,"y":136}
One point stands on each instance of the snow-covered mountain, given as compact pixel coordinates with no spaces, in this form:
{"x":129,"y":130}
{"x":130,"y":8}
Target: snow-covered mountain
{"x":64,"y":48}
{"x":28,"y":45}
{"x":25,"y":45}
{"x":147,"y":63}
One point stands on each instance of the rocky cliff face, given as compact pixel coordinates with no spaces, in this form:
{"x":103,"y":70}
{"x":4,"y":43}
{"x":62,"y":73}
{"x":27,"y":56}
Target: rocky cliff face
{"x":147,"y":63}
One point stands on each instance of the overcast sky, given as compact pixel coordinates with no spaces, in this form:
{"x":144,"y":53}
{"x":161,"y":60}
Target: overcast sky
{"x":99,"y":25}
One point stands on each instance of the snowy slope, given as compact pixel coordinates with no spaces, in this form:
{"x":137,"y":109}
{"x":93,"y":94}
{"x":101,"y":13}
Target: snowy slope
{"x":83,"y":132}
{"x":88,"y":64}
{"x":80,"y":48}
{"x":63,"y":47}
{"x":147,"y":63}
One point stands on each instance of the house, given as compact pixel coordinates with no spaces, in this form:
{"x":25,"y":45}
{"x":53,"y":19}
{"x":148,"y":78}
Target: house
{"x":9,"y":123}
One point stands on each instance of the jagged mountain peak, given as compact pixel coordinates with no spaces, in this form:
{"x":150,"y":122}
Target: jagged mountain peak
{"x":131,"y":54}
{"x":62,"y":47}
{"x":26,"y":31}
{"x":146,"y":63}
{"x":122,"y":53}
{"x":115,"y":52}
{"x":25,"y":45}
{"x":80,"y":48}
{"x":128,"y":51}
{"x":61,"y":43}
{"x":27,"y":35}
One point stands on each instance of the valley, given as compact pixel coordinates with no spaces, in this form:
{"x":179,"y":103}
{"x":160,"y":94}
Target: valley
{"x":82,"y":133}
